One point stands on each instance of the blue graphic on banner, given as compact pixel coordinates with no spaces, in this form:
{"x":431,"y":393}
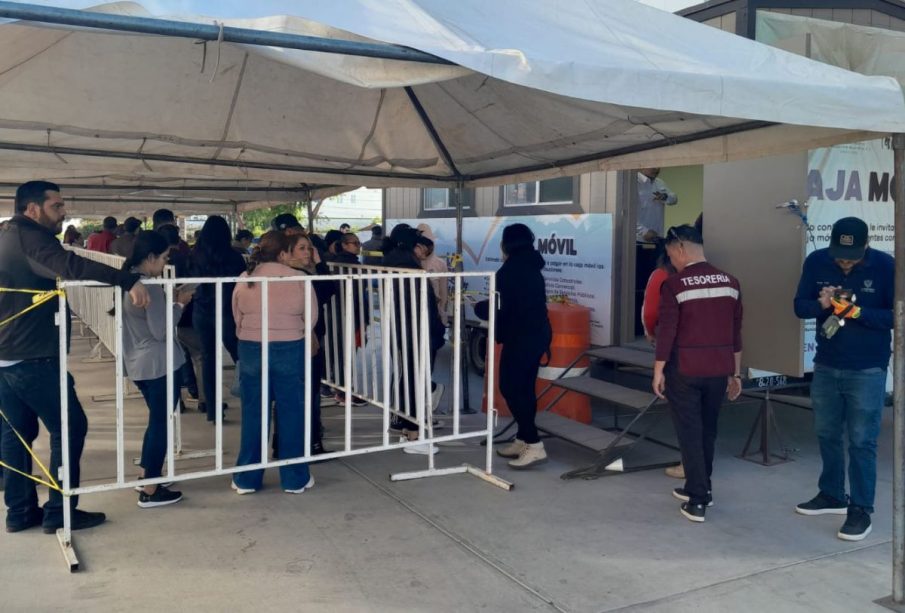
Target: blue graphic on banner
{"x":578,"y":250}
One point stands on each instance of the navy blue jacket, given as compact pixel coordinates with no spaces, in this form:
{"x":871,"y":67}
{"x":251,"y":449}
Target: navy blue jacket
{"x":863,"y":342}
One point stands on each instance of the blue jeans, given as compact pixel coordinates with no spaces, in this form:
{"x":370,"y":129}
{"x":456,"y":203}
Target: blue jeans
{"x":287,"y":389}
{"x":30,"y":391}
{"x":154,"y":446}
{"x":848,"y":402}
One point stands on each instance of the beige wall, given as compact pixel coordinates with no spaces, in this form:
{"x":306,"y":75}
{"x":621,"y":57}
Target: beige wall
{"x":597,"y":193}
{"x":748,"y":237}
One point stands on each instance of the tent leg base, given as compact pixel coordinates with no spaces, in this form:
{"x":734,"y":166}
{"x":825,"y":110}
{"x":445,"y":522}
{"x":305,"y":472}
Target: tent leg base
{"x":454,"y":470}
{"x":889,"y":603}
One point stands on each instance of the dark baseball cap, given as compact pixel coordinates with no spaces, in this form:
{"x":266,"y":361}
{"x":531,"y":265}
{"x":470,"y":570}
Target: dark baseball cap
{"x":848,"y":240}
{"x":285,"y":220}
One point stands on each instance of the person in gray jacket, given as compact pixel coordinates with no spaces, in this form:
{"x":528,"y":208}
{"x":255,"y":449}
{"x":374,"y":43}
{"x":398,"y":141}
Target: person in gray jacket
{"x":145,"y":358}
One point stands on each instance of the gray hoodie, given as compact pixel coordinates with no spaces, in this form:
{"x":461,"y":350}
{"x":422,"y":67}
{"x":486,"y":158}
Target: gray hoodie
{"x":145,"y":337}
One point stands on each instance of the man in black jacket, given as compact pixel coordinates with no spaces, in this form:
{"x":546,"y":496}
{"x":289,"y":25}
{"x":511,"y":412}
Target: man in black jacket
{"x":31,"y":258}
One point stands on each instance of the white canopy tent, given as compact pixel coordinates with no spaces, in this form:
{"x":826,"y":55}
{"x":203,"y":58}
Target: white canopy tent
{"x":563,"y":88}
{"x":515,"y":90}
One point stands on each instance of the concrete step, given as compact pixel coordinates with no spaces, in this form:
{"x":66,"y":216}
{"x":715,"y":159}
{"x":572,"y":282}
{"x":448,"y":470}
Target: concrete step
{"x":603,"y":390}
{"x":584,"y":435}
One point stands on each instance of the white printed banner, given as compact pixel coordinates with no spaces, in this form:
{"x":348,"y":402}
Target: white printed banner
{"x":578,"y":250}
{"x":853,"y":180}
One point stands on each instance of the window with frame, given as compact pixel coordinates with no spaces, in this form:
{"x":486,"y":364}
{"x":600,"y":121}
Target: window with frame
{"x":442,"y":199}
{"x":549,"y":192}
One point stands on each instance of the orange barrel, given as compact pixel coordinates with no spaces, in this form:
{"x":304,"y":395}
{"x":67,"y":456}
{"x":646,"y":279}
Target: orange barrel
{"x":571,"y":325}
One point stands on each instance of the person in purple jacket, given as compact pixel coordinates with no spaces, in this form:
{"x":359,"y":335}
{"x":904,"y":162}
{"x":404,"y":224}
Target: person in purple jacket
{"x":699,"y":352}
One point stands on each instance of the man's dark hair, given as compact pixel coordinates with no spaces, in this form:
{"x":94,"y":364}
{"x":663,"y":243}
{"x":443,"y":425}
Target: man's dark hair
{"x":332,"y":236}
{"x":377,"y":231}
{"x":110,"y":223}
{"x":344,"y":225}
{"x":685,"y":233}
{"x":170,"y":233}
{"x":131,"y":225}
{"x":241,"y":235}
{"x":33,"y":191}
{"x":162,"y":217}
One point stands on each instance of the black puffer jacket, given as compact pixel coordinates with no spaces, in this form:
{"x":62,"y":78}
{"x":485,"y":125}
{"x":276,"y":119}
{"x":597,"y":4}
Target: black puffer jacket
{"x":31,"y":257}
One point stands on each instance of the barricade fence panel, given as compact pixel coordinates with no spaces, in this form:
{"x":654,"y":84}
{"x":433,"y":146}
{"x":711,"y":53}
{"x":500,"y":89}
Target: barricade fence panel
{"x":377,"y":348}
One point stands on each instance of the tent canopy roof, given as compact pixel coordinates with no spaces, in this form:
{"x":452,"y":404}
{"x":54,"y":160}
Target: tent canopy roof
{"x":562,"y":88}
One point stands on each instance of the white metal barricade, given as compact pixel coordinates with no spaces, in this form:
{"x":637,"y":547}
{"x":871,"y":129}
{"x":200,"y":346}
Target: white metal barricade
{"x":403,"y":337}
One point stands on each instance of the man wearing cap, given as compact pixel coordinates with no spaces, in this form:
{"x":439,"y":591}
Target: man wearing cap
{"x":848,"y":289}
{"x":699,"y":352}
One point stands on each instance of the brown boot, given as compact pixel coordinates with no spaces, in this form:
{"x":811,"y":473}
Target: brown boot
{"x":676,"y":472}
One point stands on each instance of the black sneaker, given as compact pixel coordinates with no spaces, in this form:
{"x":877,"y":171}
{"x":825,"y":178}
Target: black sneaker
{"x":359,"y":402}
{"x":693,"y":512}
{"x":160,"y":498}
{"x":81,"y":520}
{"x":856,"y":526}
{"x":35,"y":518}
{"x":317,"y":448}
{"x":821,"y":504}
{"x":682,"y":495}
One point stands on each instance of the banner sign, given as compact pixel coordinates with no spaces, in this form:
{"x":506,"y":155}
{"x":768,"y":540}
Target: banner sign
{"x":578,"y":250}
{"x":853,"y":180}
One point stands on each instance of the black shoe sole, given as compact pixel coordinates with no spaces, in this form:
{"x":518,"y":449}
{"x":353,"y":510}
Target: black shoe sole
{"x":678,"y":496}
{"x":691,"y":517}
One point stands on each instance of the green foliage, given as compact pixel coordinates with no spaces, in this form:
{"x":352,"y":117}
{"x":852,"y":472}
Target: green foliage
{"x":259,"y":221}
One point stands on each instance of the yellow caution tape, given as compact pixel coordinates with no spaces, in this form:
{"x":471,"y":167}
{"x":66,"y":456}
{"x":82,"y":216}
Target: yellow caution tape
{"x":40,"y":297}
{"x":51,"y":482}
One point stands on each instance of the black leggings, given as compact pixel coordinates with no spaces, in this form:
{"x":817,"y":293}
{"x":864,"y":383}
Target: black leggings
{"x":518,"y":373}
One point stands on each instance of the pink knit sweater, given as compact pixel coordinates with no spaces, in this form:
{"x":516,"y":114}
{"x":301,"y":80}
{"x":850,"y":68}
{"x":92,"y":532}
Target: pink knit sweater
{"x":286,"y":318}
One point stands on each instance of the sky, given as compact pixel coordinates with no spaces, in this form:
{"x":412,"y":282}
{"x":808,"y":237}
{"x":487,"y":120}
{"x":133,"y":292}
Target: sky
{"x":260,"y":8}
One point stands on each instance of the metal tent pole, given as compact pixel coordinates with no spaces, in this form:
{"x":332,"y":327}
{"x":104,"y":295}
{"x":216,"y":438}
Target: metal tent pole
{"x":200,"y":31}
{"x":898,"y":479}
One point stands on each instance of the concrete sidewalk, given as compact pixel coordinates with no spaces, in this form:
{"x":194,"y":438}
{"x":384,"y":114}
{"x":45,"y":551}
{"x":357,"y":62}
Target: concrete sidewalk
{"x":357,"y":542}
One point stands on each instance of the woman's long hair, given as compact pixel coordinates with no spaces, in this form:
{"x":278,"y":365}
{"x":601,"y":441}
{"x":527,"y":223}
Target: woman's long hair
{"x":147,"y":243}
{"x":214,"y":246}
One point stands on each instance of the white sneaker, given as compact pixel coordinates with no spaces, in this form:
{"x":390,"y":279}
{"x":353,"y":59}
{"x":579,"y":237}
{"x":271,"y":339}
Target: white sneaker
{"x":532,"y":455}
{"x":425,"y":449}
{"x":239,"y":490}
{"x":512,"y":450}
{"x":302,"y":489}
{"x":437,"y":395}
{"x":141,"y":488}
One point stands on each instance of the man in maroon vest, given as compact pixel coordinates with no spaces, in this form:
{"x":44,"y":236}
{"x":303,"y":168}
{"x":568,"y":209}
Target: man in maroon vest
{"x":699,"y":349}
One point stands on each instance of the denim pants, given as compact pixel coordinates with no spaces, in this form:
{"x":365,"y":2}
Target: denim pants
{"x":285,"y":360}
{"x":30,"y":391}
{"x":154,"y":446}
{"x":208,"y":336}
{"x":848,"y":402}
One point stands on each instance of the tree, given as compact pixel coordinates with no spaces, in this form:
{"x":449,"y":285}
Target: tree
{"x":258,"y":221}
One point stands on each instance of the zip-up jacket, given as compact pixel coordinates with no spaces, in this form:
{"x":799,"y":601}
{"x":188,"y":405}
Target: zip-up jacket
{"x":863,"y":342}
{"x":31,"y":257}
{"x":700,"y":327}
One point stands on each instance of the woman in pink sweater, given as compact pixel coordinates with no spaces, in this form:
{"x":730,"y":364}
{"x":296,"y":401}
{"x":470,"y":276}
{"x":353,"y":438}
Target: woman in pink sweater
{"x":286,"y":338}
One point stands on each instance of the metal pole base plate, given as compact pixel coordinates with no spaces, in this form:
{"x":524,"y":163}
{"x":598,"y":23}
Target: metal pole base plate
{"x":454,"y":470}
{"x":888,"y":603}
{"x":69,"y":555}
